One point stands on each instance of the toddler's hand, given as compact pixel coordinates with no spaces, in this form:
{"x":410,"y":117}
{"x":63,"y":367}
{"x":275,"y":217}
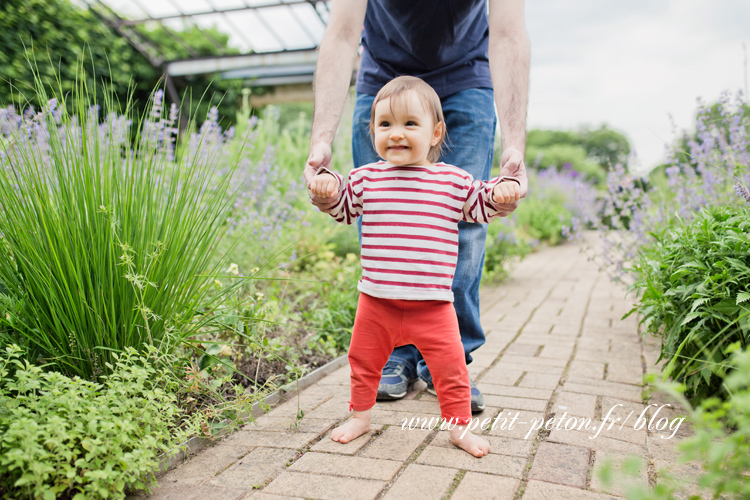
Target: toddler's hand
{"x":506,"y":192}
{"x":324,"y":185}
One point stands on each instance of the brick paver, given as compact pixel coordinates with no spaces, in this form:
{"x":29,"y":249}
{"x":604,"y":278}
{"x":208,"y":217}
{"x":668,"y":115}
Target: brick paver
{"x":556,"y":348}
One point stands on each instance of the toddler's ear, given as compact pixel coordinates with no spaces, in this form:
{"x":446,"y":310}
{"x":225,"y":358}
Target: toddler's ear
{"x":438,"y":133}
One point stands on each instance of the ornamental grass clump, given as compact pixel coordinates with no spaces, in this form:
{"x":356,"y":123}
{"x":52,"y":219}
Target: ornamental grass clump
{"x":109,"y":228}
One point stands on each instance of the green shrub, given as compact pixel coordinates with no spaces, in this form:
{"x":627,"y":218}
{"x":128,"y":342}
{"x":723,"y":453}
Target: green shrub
{"x":542,"y":219}
{"x":502,"y":249}
{"x":720,"y":440}
{"x":694,"y":282}
{"x":70,"y":438}
{"x":325,"y":294}
{"x":559,"y":155}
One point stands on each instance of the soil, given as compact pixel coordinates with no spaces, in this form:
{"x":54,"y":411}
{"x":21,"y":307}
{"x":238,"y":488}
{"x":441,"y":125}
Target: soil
{"x":274,"y":369}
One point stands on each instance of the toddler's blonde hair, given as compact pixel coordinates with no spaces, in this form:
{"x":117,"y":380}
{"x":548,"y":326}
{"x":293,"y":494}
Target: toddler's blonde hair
{"x":399,"y":86}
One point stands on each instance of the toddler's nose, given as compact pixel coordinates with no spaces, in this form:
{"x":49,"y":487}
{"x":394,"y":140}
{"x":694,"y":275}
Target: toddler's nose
{"x":397,"y":134}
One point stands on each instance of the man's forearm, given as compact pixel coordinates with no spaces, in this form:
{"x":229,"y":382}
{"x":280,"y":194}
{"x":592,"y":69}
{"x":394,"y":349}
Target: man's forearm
{"x":509,"y":65}
{"x":333,"y":72}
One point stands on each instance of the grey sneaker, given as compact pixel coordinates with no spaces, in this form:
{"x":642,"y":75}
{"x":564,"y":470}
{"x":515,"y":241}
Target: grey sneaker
{"x":394,"y":383}
{"x":477,"y":400}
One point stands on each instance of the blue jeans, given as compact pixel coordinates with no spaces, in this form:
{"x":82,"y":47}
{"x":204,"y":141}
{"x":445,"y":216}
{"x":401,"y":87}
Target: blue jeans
{"x":470,"y":120}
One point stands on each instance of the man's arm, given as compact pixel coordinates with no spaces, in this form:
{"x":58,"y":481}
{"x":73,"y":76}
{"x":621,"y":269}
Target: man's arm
{"x":333,"y":72}
{"x":509,"y":56}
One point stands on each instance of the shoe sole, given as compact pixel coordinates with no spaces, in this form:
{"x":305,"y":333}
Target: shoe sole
{"x":383,"y":396}
{"x":389,"y":397}
{"x":477,"y":409}
{"x":474,"y":409}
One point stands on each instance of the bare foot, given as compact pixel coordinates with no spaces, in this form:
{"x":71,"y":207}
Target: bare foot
{"x":358,"y":425}
{"x":470,"y":443}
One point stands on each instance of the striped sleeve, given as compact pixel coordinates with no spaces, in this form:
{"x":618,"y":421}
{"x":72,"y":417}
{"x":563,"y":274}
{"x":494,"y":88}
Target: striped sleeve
{"x":349,"y":204}
{"x":480,"y":206}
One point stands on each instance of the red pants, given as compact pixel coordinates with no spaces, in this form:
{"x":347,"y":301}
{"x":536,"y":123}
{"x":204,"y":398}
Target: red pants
{"x":431,"y":325}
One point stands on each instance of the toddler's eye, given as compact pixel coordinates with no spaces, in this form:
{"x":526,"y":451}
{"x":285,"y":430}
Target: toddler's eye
{"x":384,"y":124}
{"x":411,"y":124}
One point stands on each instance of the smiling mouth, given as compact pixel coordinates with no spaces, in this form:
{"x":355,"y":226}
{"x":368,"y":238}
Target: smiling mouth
{"x":398,"y":147}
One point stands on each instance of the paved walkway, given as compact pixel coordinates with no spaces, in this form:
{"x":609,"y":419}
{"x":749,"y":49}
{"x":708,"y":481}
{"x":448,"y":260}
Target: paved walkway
{"x":556,"y":346}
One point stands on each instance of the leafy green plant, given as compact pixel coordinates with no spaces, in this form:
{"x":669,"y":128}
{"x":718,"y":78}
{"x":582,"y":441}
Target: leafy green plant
{"x":71,"y":438}
{"x":542,"y":219}
{"x":720,"y":440}
{"x":502,"y":250}
{"x":331,"y":314}
{"x":106,"y":243}
{"x":694,"y":286}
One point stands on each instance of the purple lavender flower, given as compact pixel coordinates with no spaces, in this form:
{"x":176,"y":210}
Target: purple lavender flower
{"x":743,"y":192}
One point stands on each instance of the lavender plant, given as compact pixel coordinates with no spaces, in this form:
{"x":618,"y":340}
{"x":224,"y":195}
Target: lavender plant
{"x":560,"y":205}
{"x":110,"y":228}
{"x":684,"y":247}
{"x":704,"y":169}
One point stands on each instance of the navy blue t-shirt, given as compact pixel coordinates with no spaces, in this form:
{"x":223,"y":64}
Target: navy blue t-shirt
{"x":444,"y":42}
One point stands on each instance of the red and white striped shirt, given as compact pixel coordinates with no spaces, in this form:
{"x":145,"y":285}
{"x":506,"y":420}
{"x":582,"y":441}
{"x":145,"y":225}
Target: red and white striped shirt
{"x":410,"y":219}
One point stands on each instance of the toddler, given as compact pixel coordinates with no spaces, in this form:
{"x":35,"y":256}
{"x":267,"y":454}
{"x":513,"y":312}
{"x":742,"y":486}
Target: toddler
{"x":410,"y":206}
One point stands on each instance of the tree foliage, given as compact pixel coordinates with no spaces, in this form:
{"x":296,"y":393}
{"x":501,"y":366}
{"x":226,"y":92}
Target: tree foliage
{"x":586,"y":150}
{"x":56,"y":35}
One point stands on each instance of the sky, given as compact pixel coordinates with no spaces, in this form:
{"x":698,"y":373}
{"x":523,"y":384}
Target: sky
{"x":636,"y":65}
{"x":633,"y":64}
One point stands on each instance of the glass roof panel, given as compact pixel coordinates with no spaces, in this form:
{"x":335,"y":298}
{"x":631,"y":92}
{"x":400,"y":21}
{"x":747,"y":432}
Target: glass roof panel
{"x":312,"y":23}
{"x":229,"y":24}
{"x":228,"y":4}
{"x":287,"y":30}
{"x":253,"y":26}
{"x":190,"y":6}
{"x":152,"y":9}
{"x":255,"y":29}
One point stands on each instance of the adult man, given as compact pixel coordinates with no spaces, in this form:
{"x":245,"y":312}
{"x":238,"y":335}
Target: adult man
{"x":463,"y":50}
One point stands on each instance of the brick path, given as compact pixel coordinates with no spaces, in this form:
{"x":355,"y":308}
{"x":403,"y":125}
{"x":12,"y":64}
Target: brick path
{"x":555,"y":345}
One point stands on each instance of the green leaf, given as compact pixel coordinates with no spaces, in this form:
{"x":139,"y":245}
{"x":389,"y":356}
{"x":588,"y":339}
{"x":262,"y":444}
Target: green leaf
{"x":699,"y":302}
{"x":742,"y":297}
{"x":690,"y":317}
{"x":206,"y":361}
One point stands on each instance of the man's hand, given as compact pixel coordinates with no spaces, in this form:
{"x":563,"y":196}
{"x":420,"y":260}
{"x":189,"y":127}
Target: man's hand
{"x":512,"y":165}
{"x":324,"y":185}
{"x":320,"y":156}
{"x":506,"y":192}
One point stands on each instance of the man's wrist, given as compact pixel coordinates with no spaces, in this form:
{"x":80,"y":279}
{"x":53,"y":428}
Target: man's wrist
{"x":519,"y":146}
{"x":322,"y":135}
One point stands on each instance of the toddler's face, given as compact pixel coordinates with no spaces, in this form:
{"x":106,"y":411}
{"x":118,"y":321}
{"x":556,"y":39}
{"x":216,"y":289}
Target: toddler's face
{"x":405,"y":131}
